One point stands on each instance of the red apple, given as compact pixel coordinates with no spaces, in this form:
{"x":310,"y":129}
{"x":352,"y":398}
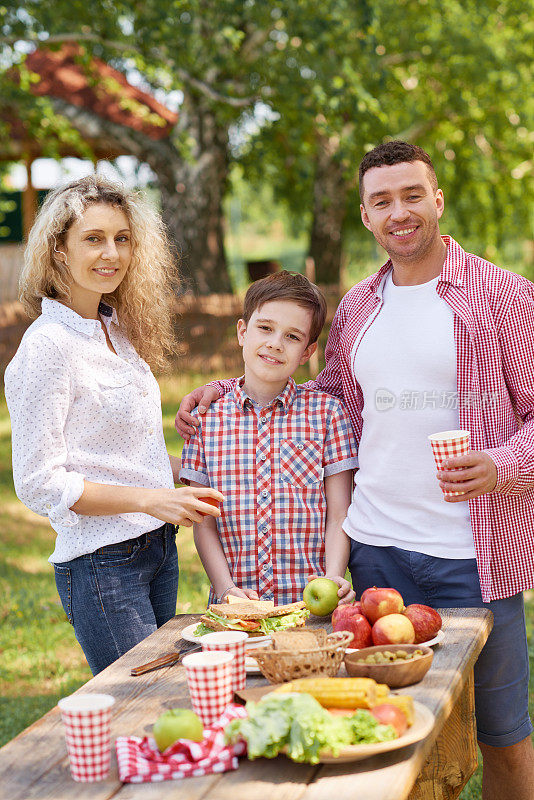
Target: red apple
{"x":378,"y":603}
{"x":393,"y":629}
{"x":388,"y":714}
{"x":425,"y":620}
{"x":347,"y":618}
{"x":346,"y":610}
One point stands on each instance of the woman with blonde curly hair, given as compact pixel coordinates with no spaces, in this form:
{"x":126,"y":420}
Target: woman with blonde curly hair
{"x":88,"y":447}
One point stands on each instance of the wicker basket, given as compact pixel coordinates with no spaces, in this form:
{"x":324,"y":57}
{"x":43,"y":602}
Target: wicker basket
{"x":280,"y":666}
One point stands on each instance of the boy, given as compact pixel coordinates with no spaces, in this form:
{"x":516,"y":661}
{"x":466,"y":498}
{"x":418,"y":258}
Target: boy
{"x":267,"y":446}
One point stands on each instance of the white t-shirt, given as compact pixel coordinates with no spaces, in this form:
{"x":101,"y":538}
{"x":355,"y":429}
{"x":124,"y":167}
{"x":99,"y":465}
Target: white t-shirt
{"x":79,"y":411}
{"x":405,"y":365}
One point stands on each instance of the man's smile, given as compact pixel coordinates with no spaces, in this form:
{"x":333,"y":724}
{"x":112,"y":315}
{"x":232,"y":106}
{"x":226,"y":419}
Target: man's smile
{"x":404,"y":232}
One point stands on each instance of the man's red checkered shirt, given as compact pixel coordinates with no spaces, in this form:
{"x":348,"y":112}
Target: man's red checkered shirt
{"x":269,"y":465}
{"x":494,"y":335}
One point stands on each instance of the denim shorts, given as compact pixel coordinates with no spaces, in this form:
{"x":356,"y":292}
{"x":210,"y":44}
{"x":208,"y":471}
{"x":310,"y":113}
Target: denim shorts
{"x":121,"y":593}
{"x":502,"y":669}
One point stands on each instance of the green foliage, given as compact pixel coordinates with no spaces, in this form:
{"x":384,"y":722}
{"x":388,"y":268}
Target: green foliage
{"x":260,"y":226}
{"x":403,"y":71}
{"x":342,"y":77}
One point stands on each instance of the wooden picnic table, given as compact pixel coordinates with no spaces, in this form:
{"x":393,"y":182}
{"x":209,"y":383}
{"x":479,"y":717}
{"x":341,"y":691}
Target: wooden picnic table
{"x":35,"y":764}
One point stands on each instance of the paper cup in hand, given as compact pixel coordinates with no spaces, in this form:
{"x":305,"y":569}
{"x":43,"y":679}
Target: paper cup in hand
{"x":230,"y":642}
{"x":209,"y":678}
{"x":448,"y":444}
{"x":87,"y":719}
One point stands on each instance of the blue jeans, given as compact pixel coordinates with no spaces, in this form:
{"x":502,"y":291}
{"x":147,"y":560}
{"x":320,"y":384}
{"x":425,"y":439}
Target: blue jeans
{"x":121,"y":593}
{"x":502,"y":669}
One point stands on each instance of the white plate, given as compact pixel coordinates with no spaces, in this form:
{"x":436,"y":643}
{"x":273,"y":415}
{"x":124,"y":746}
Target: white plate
{"x":189,"y":636}
{"x":423,"y":724}
{"x":436,"y":640}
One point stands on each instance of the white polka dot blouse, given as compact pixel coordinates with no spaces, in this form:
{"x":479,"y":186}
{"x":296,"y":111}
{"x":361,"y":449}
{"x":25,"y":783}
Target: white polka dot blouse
{"x":79,"y":411}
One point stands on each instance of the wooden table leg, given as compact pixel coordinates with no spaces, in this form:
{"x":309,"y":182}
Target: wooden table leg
{"x":453,"y":759}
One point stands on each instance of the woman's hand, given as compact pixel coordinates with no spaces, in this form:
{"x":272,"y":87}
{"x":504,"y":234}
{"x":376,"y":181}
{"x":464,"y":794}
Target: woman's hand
{"x":181,"y":506}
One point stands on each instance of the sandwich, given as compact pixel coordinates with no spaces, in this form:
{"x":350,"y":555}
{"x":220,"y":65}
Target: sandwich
{"x":255,"y":617}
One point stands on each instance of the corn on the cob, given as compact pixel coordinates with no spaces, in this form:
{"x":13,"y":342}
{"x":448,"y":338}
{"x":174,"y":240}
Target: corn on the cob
{"x":336,"y":692}
{"x":382,"y":691}
{"x":404,"y":702}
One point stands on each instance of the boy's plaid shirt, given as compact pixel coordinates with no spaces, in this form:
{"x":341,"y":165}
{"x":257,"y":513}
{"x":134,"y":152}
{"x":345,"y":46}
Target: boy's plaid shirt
{"x":270,"y":467}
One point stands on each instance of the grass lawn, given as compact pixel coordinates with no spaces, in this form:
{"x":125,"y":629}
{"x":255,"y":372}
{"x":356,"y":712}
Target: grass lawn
{"x":40,"y":658}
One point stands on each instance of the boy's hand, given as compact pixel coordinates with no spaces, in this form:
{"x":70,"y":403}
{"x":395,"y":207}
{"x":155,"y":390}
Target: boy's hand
{"x":247,"y":594}
{"x":202,"y":397}
{"x":345,"y":593}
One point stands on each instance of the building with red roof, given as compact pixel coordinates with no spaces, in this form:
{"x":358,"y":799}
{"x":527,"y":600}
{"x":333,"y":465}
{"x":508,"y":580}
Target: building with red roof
{"x":69,"y":75}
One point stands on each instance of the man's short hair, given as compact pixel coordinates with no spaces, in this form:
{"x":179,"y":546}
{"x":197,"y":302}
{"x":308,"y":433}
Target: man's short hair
{"x":292,"y":286}
{"x":396,"y":152}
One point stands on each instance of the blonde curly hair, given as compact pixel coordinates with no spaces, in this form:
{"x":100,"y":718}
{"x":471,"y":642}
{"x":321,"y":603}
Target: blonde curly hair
{"x":145,"y":297}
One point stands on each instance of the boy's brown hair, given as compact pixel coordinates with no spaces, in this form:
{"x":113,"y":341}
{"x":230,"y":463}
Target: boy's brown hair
{"x":396,"y":152}
{"x":292,"y":286}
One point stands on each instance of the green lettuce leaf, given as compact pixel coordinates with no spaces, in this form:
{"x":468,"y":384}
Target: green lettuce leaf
{"x":281,"y":623}
{"x":223,"y":620}
{"x":366,"y":729}
{"x":295,"y":721}
{"x":201,"y":629}
{"x":266,"y":625}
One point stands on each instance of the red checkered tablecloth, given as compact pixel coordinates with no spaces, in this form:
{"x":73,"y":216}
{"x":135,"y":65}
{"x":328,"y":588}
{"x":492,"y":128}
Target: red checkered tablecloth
{"x":140,"y":761}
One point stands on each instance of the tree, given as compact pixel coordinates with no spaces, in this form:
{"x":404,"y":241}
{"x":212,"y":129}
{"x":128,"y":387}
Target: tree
{"x":337,"y":81}
{"x":192,"y":165}
{"x":224,"y":56}
{"x":416,"y":72}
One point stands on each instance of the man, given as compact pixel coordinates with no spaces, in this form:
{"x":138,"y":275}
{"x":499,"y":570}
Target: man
{"x":439,"y":339}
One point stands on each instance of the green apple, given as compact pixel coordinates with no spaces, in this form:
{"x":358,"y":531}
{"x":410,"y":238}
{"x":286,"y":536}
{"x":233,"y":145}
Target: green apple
{"x":177,"y":723}
{"x":320,"y":596}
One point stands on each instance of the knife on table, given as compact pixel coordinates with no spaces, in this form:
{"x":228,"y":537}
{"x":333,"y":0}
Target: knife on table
{"x":167,"y":660}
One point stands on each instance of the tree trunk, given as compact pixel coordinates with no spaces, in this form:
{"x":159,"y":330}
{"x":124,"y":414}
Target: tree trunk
{"x":192,"y":188}
{"x":330,"y":192}
{"x":192,"y":192}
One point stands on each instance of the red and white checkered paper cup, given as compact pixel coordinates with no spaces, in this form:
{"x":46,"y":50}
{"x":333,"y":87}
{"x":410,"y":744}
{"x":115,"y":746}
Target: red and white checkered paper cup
{"x":87,"y":720}
{"x":448,"y":444}
{"x":209,"y":677}
{"x":231,"y":642}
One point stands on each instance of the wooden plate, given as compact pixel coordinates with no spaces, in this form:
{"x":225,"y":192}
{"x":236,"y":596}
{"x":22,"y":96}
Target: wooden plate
{"x":423,"y":724}
{"x":394,"y":673}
